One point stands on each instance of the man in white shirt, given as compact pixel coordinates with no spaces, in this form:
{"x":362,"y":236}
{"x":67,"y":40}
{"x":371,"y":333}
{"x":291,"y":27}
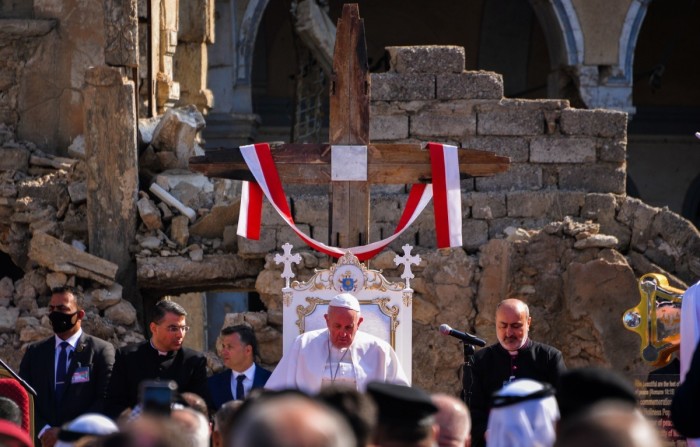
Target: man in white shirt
{"x":239,"y":348}
{"x":338,"y":354}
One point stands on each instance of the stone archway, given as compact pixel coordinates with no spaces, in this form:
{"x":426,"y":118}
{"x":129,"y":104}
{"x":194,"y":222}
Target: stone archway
{"x":231,"y":121}
{"x":246,"y":43}
{"x":600,"y":85}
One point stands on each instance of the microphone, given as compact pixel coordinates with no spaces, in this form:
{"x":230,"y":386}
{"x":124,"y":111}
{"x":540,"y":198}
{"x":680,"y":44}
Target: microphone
{"x":445,"y":329}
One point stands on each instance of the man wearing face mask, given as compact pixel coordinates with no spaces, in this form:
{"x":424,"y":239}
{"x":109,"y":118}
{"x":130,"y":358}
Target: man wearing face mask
{"x":515,"y":356}
{"x":70,"y":371}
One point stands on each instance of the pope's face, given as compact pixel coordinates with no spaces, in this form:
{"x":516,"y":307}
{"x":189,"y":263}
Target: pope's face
{"x":512,"y":326}
{"x":342,"y":325}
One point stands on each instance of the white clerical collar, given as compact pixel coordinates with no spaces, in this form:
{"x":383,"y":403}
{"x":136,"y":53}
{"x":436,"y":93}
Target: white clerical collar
{"x":72,"y":340}
{"x":159,"y":351}
{"x":526,"y":343}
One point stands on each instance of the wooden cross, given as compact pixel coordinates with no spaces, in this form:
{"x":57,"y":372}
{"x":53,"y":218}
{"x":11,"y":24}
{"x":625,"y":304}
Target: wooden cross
{"x":402,"y":163}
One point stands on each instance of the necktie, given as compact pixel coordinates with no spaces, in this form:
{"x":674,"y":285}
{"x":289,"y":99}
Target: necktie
{"x":61,"y":371}
{"x":239,"y":387}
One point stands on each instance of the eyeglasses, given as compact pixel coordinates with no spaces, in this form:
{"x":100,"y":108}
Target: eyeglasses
{"x":177,"y":328}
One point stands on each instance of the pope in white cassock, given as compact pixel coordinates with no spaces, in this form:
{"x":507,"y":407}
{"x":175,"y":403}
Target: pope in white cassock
{"x":339,"y":354}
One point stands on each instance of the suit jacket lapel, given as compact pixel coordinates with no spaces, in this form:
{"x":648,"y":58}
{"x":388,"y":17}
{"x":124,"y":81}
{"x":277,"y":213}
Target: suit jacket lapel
{"x":228,"y":392}
{"x":48,"y":352}
{"x":257,"y":378}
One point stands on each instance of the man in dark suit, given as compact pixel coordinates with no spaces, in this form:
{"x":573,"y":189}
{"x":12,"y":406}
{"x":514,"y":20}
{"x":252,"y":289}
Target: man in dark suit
{"x":69,"y":371}
{"x":161,"y":358}
{"x":238,"y":350}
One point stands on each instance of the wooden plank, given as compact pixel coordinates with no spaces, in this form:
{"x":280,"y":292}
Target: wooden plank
{"x":349,"y":98}
{"x":349,"y":125}
{"x":387,"y":164}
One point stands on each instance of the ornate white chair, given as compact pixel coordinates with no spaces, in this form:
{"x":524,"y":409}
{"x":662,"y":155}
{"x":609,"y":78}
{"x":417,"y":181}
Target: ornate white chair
{"x":386,"y":306}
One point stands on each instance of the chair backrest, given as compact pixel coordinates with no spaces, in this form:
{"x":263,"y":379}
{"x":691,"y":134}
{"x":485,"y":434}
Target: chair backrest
{"x":386,"y":307}
{"x":12,"y":389}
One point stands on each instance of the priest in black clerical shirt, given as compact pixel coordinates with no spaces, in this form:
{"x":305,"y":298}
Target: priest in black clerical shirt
{"x":161,"y":358}
{"x":515,"y":356}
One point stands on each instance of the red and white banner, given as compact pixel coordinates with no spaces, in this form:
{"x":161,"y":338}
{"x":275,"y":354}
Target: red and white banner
{"x":259,"y":160}
{"x":447,"y":200}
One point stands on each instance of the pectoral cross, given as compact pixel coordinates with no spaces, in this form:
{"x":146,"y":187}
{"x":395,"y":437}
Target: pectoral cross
{"x":402,"y":163}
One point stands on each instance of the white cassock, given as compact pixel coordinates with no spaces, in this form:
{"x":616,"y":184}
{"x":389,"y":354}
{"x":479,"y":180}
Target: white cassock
{"x":307,"y":362}
{"x":690,"y":334}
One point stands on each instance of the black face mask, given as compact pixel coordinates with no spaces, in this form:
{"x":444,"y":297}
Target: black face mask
{"x":62,"y":322}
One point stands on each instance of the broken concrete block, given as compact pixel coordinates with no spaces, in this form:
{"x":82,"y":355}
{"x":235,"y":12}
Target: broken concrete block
{"x":172,"y":177}
{"x":176,"y":133}
{"x":166,"y":213}
{"x":54,"y":280}
{"x":147,"y":127}
{"x":150,"y":243}
{"x":121,"y":313}
{"x":179,"y":230}
{"x":78,"y":192}
{"x":196,"y":253}
{"x":172,"y":201}
{"x":230,"y":239}
{"x":150,"y":214}
{"x":14,"y":159}
{"x":30,"y":334}
{"x":212,"y":225}
{"x":7,"y":290}
{"x":8,"y":319}
{"x":77,"y":148}
{"x":104,"y":298}
{"x":58,"y":256}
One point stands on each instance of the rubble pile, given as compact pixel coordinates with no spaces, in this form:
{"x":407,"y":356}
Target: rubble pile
{"x":44,"y":227}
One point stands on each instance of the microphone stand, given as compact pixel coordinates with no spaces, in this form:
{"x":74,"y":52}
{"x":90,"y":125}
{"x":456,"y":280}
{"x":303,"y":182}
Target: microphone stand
{"x":467,"y":377}
{"x":18,"y":378}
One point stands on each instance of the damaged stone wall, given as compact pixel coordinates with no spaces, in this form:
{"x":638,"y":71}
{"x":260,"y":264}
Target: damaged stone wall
{"x":556,"y":230}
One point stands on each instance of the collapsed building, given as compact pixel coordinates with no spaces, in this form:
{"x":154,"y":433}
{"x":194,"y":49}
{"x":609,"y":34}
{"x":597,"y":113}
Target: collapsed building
{"x":117,"y":212}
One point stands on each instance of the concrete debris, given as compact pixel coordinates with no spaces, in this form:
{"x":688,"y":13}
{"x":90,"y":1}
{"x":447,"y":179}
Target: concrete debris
{"x":149,"y":213}
{"x":58,"y":256}
{"x":77,"y":148}
{"x":172,"y":201}
{"x":176,"y":133}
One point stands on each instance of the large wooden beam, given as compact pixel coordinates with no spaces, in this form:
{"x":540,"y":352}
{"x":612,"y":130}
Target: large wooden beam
{"x":311,"y":164}
{"x":349,"y":125}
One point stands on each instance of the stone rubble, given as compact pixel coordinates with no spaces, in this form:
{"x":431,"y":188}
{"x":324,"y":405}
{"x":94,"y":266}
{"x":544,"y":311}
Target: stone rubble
{"x":556,"y":230}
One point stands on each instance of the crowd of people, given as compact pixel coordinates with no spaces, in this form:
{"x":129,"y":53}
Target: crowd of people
{"x":337,"y":386}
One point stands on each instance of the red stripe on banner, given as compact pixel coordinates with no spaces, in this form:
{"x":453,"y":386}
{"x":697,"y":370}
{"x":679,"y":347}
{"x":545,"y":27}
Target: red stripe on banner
{"x":268,"y":183}
{"x":442,"y":226}
{"x":255,"y":195}
{"x":414,"y":197}
{"x":274,"y":184}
